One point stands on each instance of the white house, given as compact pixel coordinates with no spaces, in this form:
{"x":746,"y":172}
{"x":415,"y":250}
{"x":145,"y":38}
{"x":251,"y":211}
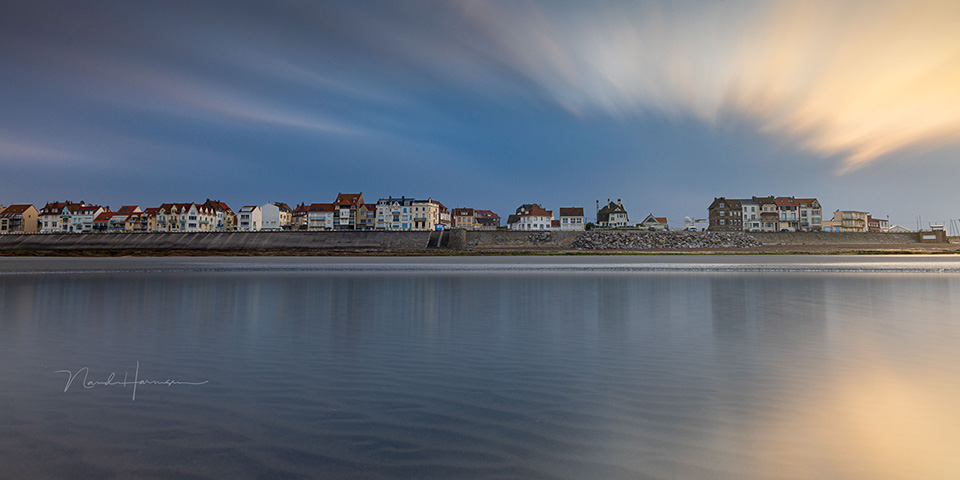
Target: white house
{"x":321,"y":216}
{"x":81,"y":217}
{"x":275,"y":216}
{"x":571,"y":218}
{"x":750,"y":215}
{"x":811,"y":215}
{"x":395,"y":213}
{"x":613,"y":215}
{"x":54,"y":217}
{"x":185,"y":217}
{"x":531,"y":217}
{"x":249,"y":219}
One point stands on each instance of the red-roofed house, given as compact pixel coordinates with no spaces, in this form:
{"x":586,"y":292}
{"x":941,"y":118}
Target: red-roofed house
{"x":129,"y":209}
{"x":143,"y":222}
{"x":80,"y":219}
{"x":226,"y":219}
{"x":445,"y":218}
{"x":571,"y":218}
{"x":52,"y":216}
{"x":811,"y":215}
{"x":185,"y":217}
{"x":321,"y":216}
{"x":101,"y":223}
{"x":486,"y":219}
{"x":463,"y":218}
{"x":789,"y":210}
{"x":347,"y":206}
{"x":531,"y":217}
{"x":298,"y":219}
{"x":19,"y":219}
{"x":654,"y":223}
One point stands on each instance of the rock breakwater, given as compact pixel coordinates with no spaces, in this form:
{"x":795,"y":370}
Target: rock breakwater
{"x":605,"y":240}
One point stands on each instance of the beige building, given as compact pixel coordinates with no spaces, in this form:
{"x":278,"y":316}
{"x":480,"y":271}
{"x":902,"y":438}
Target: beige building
{"x":185,"y":217}
{"x":425,"y":214}
{"x":847,"y":221}
{"x":464,"y":218}
{"x":19,"y":219}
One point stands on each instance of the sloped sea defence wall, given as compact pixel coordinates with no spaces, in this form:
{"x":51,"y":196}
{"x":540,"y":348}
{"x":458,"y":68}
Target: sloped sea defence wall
{"x":414,"y":242}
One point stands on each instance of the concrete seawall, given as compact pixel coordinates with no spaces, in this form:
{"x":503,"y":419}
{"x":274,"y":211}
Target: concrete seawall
{"x":228,"y":241}
{"x":387,"y":242}
{"x":838,"y":238}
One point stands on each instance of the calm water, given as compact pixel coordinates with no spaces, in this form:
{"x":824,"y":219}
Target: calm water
{"x":577,"y":368}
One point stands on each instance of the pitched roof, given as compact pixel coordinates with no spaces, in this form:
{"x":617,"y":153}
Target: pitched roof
{"x":128,"y":209}
{"x":321,"y":207}
{"x":612,"y":208}
{"x":217,"y":205}
{"x":103,"y":217}
{"x":85,"y":209}
{"x":486,"y":214}
{"x":555,"y":223}
{"x":74,"y":207}
{"x":651,"y":219}
{"x":16,"y":209}
{"x":785,"y":202}
{"x":283,"y":206}
{"x":571,"y":211}
{"x":53,"y":208}
{"x":349,"y":199}
{"x":463,"y":212}
{"x":513,"y":219}
{"x":535,"y":210}
{"x":300,"y":210}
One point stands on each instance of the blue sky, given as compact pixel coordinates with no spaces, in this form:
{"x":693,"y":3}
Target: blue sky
{"x":485,"y":104}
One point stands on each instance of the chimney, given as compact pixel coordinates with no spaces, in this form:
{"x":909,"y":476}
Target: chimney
{"x":619,"y":203}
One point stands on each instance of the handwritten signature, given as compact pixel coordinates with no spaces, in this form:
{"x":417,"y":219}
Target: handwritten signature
{"x":113,"y":381}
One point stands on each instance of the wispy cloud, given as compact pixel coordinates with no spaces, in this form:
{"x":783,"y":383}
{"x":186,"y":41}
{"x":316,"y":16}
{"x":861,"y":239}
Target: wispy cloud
{"x":13,"y":151}
{"x":857,"y":80}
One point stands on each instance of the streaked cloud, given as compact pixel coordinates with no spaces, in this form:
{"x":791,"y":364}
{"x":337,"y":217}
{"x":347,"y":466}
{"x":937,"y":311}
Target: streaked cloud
{"x":12,"y":150}
{"x":857,"y":80}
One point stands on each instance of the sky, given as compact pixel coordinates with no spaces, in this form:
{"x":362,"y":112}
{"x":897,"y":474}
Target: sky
{"x":485,"y":104}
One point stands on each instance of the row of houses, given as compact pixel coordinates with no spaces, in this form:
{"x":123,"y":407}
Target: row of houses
{"x":788,"y":214}
{"x":533,"y":217}
{"x":347,"y":212}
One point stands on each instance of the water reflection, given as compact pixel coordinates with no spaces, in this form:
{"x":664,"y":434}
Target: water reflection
{"x":518,"y":375}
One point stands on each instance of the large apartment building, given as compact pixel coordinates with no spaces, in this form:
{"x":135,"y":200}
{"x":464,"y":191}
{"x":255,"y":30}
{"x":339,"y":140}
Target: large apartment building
{"x":348,"y":206}
{"x":725,"y":215}
{"x":765,"y":214}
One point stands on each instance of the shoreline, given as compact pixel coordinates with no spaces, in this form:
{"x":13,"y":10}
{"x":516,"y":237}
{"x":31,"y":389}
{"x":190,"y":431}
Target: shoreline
{"x":466,"y":243}
{"x":853,"y":249}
